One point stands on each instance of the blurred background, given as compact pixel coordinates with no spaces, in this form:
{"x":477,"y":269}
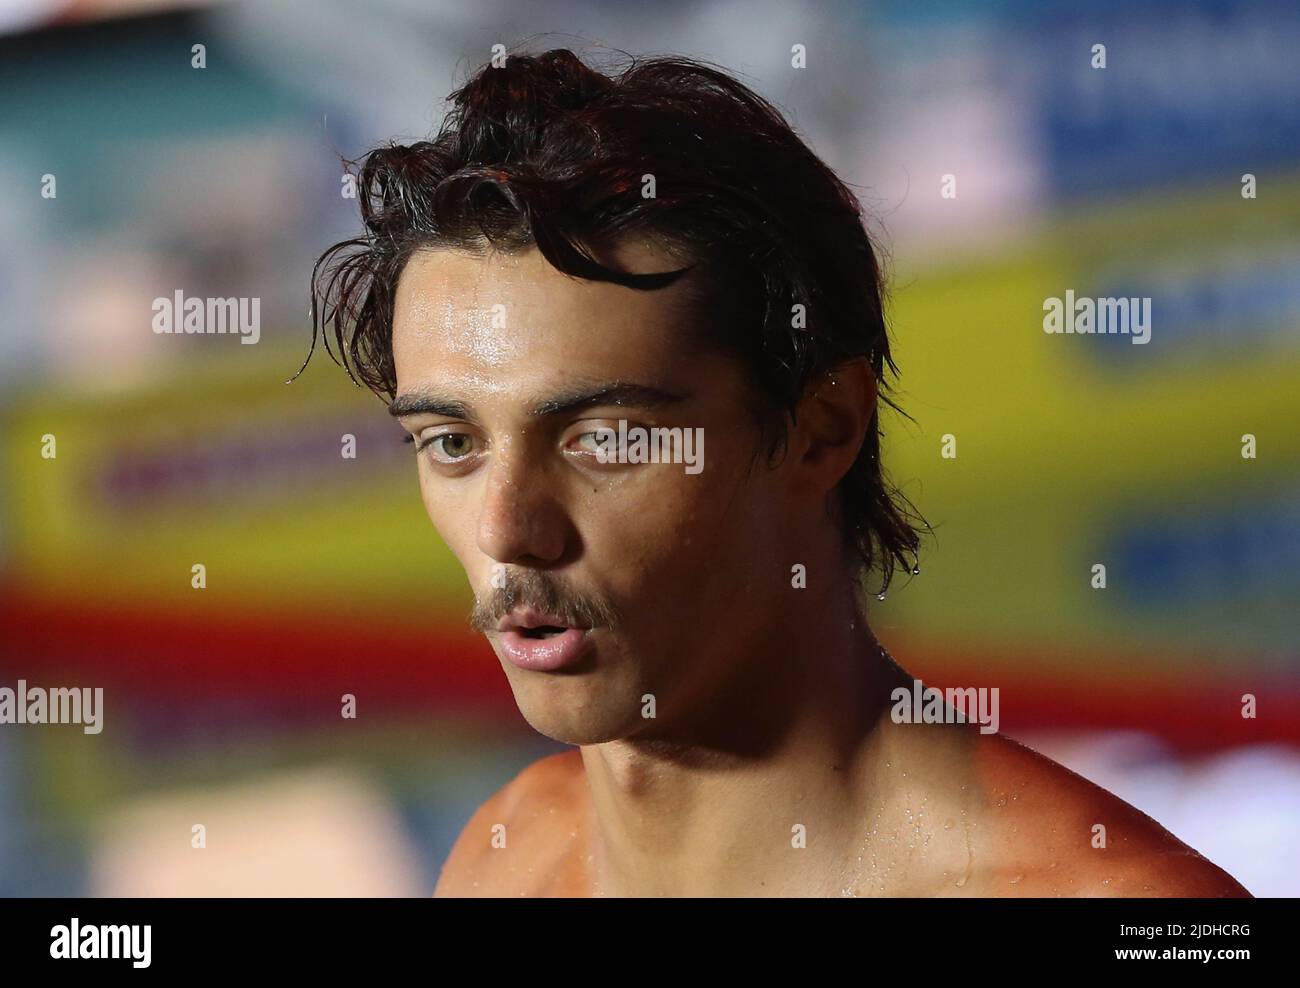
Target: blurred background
{"x":323,"y":575}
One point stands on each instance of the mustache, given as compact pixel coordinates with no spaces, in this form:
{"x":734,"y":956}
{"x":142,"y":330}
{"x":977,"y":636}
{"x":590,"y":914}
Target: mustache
{"x":547,"y":594}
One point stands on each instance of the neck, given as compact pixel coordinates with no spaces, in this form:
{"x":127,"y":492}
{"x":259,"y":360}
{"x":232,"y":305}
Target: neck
{"x":766,"y":790}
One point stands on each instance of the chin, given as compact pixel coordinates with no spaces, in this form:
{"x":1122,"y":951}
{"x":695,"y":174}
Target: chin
{"x":573,"y":731}
{"x":572,"y":718}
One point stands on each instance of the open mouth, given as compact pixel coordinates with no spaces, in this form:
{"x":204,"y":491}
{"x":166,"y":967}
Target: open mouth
{"x":543,"y":631}
{"x":534,"y":640}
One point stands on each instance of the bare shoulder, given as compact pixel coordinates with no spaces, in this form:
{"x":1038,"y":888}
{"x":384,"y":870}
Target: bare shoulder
{"x":1047,"y":831}
{"x":517,"y":842}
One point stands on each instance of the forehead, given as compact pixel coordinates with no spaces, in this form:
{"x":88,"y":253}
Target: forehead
{"x":475,"y":317}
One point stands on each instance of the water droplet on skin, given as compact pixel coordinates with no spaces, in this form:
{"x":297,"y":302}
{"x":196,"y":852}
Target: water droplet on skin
{"x":960,"y":882}
{"x":1148,"y":888}
{"x":1017,"y":879}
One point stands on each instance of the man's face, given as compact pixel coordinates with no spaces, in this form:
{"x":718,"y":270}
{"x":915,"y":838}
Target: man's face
{"x":510,"y":368}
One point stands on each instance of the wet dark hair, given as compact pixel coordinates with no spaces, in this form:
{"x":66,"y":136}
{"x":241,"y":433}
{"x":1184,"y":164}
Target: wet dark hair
{"x":546,"y":150}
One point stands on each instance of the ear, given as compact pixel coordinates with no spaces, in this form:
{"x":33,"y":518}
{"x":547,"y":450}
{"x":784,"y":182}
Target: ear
{"x":832,"y":421}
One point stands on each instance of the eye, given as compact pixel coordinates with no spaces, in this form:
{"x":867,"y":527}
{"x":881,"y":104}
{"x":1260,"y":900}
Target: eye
{"x":591,"y":442}
{"x":447,"y":447}
{"x":603,"y":440}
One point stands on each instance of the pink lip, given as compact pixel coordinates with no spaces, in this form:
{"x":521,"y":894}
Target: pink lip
{"x":544,"y":654}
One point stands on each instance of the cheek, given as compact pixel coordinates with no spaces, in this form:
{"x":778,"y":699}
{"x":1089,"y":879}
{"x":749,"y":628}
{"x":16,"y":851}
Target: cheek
{"x":666,"y":521}
{"x":451,"y":518}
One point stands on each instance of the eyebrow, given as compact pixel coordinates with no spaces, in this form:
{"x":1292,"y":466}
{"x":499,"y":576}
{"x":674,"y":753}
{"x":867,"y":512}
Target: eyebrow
{"x":424,"y":402}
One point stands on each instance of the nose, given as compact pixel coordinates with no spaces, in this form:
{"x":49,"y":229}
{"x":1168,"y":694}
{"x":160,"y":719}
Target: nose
{"x":521,"y":522}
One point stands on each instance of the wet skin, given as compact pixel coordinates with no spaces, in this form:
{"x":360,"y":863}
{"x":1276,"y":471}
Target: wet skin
{"x":770,"y":703}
